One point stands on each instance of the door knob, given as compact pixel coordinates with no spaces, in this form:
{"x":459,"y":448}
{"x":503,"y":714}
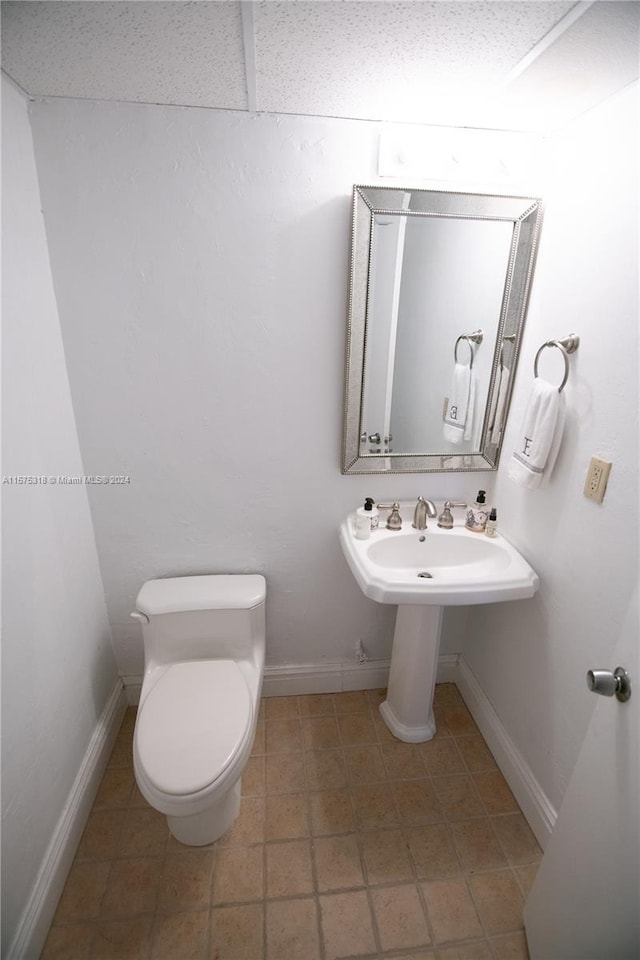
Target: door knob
{"x":616,"y":684}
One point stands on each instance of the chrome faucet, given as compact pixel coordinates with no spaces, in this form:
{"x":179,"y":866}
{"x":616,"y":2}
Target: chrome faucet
{"x":424,"y":508}
{"x":445,"y":520}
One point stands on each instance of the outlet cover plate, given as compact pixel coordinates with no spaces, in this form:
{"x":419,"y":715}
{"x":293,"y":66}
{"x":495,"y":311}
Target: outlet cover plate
{"x":597,"y":477}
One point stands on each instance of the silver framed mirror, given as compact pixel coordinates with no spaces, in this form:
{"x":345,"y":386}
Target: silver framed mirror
{"x":438,"y":296}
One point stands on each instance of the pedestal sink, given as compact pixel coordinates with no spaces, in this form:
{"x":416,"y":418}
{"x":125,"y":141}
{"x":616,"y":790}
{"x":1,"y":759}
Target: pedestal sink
{"x":423,"y":571}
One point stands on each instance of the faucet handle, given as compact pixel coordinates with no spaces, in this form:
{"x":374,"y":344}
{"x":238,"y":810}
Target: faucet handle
{"x":445,"y":520}
{"x":394,"y":520}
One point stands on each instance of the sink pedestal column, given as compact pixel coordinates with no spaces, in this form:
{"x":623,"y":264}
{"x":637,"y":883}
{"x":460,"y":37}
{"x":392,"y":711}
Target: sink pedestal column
{"x":408,"y":709}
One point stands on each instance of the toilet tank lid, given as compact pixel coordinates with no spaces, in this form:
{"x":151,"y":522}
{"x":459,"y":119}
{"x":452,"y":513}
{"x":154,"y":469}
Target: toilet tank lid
{"x":235,"y":591}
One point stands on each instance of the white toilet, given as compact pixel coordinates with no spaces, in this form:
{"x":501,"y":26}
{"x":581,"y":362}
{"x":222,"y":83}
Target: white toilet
{"x":204,"y":641}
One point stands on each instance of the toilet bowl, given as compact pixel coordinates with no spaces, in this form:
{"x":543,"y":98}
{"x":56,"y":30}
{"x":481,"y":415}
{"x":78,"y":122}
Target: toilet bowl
{"x":204,"y":641}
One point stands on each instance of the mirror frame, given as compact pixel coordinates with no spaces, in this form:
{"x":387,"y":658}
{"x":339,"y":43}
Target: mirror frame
{"x":525,"y":214}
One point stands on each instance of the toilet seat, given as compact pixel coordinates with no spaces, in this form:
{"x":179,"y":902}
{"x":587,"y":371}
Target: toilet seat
{"x":192,"y":725}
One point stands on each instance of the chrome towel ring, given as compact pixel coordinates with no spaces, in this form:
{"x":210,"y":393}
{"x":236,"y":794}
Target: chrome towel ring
{"x":476,"y":337}
{"x":566,"y":346}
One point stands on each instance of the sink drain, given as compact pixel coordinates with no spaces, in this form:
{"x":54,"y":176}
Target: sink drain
{"x":425,"y":575}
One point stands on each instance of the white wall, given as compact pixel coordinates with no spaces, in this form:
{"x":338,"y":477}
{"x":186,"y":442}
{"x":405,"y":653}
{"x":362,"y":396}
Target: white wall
{"x":531,"y":657}
{"x":201,"y":263}
{"x":58,"y":668}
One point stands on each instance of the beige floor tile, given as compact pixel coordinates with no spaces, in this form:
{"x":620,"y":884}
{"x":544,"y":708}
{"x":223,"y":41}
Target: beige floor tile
{"x":374,"y":806}
{"x":237,"y":932}
{"x":279,"y":708}
{"x":184,"y":935}
{"x":403,"y":761}
{"x":259,"y":740}
{"x":115,"y":789}
{"x":331,"y":812}
{"x":433,"y":851}
{"x":325,"y":769}
{"x":101,"y":837}
{"x":317,"y":705}
{"x":289,"y":870}
{"x":320,"y":733}
{"x":425,"y":953}
{"x":122,"y":939}
{"x":364,"y":764}
{"x":337,"y":862}
{"x":400,"y":917}
{"x":375,"y":698}
{"x":459,"y":721}
{"x":83,"y":891}
{"x":499,"y":901}
{"x":356,"y":728}
{"x":458,"y":796}
{"x":292,"y":930}
{"x":477,"y":845}
{"x":283,"y":736}
{"x":238,"y":874}
{"x":511,"y":947}
{"x":386,"y":856}
{"x":132,"y":887}
{"x":286,"y":817}
{"x":122,"y":753}
{"x":517,"y":839}
{"x":144,"y":834}
{"x":478,"y":950}
{"x":253,"y":777}
{"x":352,"y":701}
{"x":383,"y":734}
{"x":525,"y":876}
{"x":495,"y":793}
{"x":186,"y":882}
{"x":285,"y":773}
{"x":70,"y":942}
{"x":417,"y":801}
{"x":249,"y":826}
{"x":451,"y":910}
{"x":347,"y":927}
{"x":442,"y":757}
{"x":136,"y":799}
{"x":447,"y":694}
{"x":476,"y":754}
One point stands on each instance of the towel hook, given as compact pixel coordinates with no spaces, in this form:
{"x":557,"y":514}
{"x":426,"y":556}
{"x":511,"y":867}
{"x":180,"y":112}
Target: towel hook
{"x":476,"y":337}
{"x":565,"y":345}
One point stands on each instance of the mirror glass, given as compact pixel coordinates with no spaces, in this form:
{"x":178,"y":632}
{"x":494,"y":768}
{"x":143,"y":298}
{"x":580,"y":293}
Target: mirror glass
{"x":439,"y":289}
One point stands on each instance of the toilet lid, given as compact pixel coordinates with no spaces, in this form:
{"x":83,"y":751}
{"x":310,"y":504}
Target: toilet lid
{"x":192,"y":724}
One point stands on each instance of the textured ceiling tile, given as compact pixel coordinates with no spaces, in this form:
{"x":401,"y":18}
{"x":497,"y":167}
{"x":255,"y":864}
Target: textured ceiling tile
{"x":157,"y":52}
{"x":396,"y":61}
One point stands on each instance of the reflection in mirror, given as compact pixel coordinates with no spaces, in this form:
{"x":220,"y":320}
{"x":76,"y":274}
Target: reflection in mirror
{"x":439,"y":289}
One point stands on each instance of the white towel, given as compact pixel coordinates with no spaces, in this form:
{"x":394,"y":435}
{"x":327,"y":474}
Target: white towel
{"x":458,"y":421}
{"x":539,"y":438}
{"x":496,"y":414}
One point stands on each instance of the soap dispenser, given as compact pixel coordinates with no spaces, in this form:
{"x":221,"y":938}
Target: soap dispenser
{"x":477,"y":514}
{"x":363,"y":520}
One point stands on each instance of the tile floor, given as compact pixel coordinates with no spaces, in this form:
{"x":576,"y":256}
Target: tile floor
{"x":348,"y":844}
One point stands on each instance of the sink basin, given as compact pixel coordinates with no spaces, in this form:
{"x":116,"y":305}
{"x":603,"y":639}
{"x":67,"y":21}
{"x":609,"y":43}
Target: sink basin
{"x":434,"y":566}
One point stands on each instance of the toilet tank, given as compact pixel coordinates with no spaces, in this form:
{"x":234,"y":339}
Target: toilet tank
{"x":203,"y":617}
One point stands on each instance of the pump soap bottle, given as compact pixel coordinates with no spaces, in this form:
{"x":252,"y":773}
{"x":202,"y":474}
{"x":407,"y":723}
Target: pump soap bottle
{"x":492,"y":523}
{"x":363,"y":520}
{"x":477,"y":514}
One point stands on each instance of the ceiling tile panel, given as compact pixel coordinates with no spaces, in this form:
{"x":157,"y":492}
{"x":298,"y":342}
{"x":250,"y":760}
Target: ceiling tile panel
{"x":154,"y":52}
{"x":421,"y":62}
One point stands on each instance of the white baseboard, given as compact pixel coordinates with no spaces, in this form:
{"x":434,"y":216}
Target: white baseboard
{"x":290,"y":680}
{"x":537,"y":808}
{"x":39,"y":910}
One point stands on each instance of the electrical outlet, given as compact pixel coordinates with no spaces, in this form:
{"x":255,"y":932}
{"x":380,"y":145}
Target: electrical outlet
{"x":596,"y":482}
